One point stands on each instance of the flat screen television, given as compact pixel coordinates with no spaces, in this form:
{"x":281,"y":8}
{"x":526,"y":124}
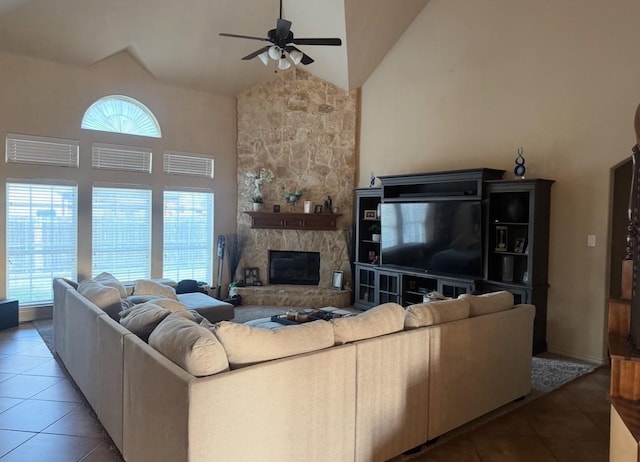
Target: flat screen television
{"x":442,"y":237}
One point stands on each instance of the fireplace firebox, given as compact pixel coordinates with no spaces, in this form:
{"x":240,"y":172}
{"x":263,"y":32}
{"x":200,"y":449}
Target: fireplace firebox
{"x":290,"y":267}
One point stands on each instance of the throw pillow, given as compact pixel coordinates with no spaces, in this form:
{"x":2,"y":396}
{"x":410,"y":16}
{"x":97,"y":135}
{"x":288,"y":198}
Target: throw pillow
{"x":149,"y":287}
{"x":190,"y":346}
{"x":169,"y":304}
{"x":380,"y":320}
{"x":430,"y":313}
{"x":143,"y":319}
{"x":489,"y":303}
{"x":104,"y":297}
{"x":246,"y":345}
{"x":138,"y":299}
{"x":107,"y":279}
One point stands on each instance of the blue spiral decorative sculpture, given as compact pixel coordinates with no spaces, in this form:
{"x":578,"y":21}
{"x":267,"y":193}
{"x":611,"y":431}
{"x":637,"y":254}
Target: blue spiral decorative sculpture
{"x":519,"y":169}
{"x":373,"y":180}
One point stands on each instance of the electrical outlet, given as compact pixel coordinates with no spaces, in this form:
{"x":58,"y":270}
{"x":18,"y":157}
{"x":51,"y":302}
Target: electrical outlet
{"x":591,"y":240}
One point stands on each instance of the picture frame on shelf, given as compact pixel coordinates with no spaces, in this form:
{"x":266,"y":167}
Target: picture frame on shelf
{"x":337,"y":279}
{"x":519,"y":246}
{"x":317,"y":209}
{"x":370,"y":215}
{"x":276,"y":208}
{"x":251,"y":276}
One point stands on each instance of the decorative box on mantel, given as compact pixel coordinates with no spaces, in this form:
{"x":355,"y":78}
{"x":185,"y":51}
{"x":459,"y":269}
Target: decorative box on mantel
{"x":288,"y":220}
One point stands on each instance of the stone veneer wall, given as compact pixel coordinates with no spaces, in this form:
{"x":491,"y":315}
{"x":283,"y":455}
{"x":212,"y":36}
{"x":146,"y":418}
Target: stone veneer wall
{"x":304,"y":130}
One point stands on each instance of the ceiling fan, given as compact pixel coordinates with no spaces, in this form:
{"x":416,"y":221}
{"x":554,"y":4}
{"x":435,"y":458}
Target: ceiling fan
{"x":282,"y":45}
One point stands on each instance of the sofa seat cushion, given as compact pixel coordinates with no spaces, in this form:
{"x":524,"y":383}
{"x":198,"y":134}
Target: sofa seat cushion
{"x":430,"y":313}
{"x":143,"y":319}
{"x":211,"y":308}
{"x":108,"y":279}
{"x":104,"y":297}
{"x":489,"y":303}
{"x":189,"y":345}
{"x":149,"y":287}
{"x":379,"y":320}
{"x":246,"y":345}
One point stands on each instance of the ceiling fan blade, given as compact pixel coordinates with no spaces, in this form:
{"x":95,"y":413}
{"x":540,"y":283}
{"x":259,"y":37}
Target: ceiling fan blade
{"x":282,"y":28}
{"x":255,"y":53}
{"x":244,"y":37}
{"x":306,"y":59}
{"x":318,"y":41}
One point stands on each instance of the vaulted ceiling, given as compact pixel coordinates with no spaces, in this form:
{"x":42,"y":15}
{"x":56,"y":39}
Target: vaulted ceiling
{"x":177,"y":41}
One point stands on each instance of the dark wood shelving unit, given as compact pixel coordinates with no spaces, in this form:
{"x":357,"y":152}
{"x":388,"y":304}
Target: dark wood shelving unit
{"x":521,"y":207}
{"x":288,"y":220}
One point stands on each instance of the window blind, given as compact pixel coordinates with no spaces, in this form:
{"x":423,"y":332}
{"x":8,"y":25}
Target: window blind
{"x":115,"y":157}
{"x":41,"y":239}
{"x":25,"y":149}
{"x":182,"y":163}
{"x":188,"y":235}
{"x":121,"y":232}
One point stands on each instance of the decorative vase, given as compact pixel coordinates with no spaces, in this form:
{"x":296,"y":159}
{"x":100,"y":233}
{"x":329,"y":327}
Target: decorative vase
{"x":375,"y":237}
{"x":257,"y":206}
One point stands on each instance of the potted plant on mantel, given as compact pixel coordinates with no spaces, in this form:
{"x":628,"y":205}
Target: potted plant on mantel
{"x":254,"y":182}
{"x":374,"y":229}
{"x":258,"y":202}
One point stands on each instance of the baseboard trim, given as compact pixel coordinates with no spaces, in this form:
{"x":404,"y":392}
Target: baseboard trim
{"x":589,"y":359}
{"x":33,"y":313}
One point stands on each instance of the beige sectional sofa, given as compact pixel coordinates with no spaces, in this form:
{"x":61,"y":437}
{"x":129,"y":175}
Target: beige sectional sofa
{"x":361,"y":388}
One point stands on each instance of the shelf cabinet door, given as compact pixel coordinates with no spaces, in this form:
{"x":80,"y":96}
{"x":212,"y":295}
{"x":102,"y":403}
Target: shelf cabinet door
{"x":366,"y":288}
{"x":388,"y":287}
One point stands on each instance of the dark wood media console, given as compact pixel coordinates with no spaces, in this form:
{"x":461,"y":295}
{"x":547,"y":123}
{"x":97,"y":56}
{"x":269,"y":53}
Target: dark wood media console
{"x":515,"y":240}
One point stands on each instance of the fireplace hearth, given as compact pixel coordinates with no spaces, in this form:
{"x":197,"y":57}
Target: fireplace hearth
{"x":291,"y":267}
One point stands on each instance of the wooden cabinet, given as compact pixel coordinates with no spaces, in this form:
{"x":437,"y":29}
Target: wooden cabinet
{"x":367,"y":250}
{"x":286,"y":220}
{"x":515,"y":240}
{"x":376,"y":285}
{"x":517,"y":245}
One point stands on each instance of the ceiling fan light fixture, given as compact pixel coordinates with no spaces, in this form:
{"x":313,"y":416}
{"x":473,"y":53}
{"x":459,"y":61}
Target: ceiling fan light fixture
{"x":296,"y":57}
{"x":264,"y":57}
{"x":283,"y":63}
{"x":274,"y":52}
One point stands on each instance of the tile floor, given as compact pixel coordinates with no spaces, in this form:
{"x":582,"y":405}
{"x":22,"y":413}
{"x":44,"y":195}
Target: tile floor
{"x":43,"y":418}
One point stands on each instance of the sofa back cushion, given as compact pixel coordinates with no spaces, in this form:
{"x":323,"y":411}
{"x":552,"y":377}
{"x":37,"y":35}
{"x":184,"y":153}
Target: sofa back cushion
{"x":149,"y":287}
{"x":379,"y":320}
{"x":489,"y":303}
{"x":143,"y":319}
{"x":190,"y":346}
{"x":104,"y":297}
{"x":430,"y":313}
{"x":246,"y":345}
{"x":108,"y":279}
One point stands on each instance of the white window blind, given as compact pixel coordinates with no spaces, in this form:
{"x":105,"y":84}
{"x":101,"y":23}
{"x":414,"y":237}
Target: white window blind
{"x":41,"y":239}
{"x":122,"y":232}
{"x":115,"y":157}
{"x":121,"y":114}
{"x":184,"y":163}
{"x":25,"y":149}
{"x":188,"y":235}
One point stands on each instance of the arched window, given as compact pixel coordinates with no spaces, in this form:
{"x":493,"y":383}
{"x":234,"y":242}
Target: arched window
{"x":121,"y":114}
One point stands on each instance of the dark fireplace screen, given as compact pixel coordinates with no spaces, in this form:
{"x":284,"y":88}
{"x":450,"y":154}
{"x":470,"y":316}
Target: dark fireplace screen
{"x":288,"y":267}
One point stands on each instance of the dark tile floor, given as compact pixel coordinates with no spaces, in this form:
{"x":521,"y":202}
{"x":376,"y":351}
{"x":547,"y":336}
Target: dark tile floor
{"x":43,"y":418}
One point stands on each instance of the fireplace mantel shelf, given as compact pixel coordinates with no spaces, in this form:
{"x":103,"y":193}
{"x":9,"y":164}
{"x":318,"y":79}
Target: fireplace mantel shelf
{"x":289,"y":220}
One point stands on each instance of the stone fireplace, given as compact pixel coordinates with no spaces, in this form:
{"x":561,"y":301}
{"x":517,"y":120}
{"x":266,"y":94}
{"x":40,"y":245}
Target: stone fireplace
{"x":303,"y":129}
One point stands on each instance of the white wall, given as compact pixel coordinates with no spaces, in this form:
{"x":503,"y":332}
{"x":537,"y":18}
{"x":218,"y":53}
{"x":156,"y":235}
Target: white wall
{"x":42,"y":98}
{"x":470,"y":81}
